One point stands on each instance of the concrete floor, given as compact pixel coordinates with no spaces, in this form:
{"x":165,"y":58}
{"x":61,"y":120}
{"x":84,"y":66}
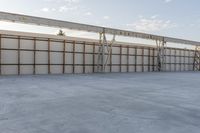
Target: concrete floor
{"x":101,"y":103}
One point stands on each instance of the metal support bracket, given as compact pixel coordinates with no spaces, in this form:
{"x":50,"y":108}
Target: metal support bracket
{"x":196,"y":64}
{"x":104,"y":51}
{"x":161,"y":58}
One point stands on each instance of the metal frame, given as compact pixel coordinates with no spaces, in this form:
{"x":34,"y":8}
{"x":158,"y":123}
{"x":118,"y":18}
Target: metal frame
{"x":196,"y":66}
{"x":4,"y":16}
{"x":105,"y":49}
{"x":0,"y":54}
{"x":104,"y":52}
{"x":132,"y":55}
{"x":161,"y":58}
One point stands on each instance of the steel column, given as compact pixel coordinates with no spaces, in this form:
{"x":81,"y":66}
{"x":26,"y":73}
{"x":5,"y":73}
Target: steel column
{"x":161,"y":52}
{"x":196,"y":63}
{"x":104,"y":52}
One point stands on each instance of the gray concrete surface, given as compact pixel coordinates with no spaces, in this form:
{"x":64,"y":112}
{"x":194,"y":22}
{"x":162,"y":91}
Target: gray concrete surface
{"x":101,"y":103}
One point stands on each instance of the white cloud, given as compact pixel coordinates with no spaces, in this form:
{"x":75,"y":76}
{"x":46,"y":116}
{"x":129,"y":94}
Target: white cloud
{"x":45,"y":9}
{"x":67,"y":1}
{"x":71,"y":1}
{"x":167,"y":1}
{"x":59,"y":9}
{"x":106,"y":17}
{"x":151,"y":24}
{"x":66,"y":8}
{"x":153,"y":17}
{"x":65,"y":5}
{"x":88,"y":14}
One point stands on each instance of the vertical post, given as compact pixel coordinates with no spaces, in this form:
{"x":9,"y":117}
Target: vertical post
{"x":196,"y":62}
{"x":189,"y":57}
{"x":149,"y":55}
{"x":193,"y":59}
{"x":161,"y":64}
{"x":128,"y":59}
{"x":153,"y":60}
{"x":103,"y":52}
{"x":170,"y":59}
{"x":18,"y":55}
{"x":198,"y":58}
{"x":34,"y":56}
{"x":120,"y":58}
{"x":110,"y":58}
{"x":184,"y":58}
{"x":74,"y":56}
{"x":49,"y":56}
{"x":188,"y":60}
{"x":0,"y":56}
{"x":135,"y":59}
{"x":175,"y":61}
{"x":99,"y":60}
{"x":84,"y":57}
{"x":142,"y":59}
{"x":64,"y":47}
{"x":180,"y":61}
{"x":94,"y":57}
{"x":164,"y":56}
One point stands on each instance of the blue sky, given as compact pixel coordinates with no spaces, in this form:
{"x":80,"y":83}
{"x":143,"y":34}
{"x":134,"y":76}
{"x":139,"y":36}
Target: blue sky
{"x":175,"y":18}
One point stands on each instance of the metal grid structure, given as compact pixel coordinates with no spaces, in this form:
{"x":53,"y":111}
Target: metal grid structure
{"x":130,"y":58}
{"x":196,"y":66}
{"x":105,"y":49}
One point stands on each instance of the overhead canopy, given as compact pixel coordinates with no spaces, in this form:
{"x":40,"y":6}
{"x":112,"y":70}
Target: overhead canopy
{"x":89,"y":28}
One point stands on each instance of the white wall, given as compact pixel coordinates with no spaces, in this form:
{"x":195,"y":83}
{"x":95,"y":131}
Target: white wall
{"x":10,"y":55}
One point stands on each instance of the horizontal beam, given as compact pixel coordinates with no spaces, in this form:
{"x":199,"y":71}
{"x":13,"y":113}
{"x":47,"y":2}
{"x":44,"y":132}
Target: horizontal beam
{"x":84,"y":27}
{"x":181,"y":41}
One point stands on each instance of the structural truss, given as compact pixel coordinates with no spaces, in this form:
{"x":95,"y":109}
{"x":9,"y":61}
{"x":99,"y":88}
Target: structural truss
{"x":104,"y":47}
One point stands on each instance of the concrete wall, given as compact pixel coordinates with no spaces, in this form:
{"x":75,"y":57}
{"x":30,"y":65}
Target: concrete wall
{"x":26,"y":53}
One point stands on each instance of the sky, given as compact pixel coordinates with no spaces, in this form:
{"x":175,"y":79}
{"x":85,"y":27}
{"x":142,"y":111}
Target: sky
{"x":173,"y":18}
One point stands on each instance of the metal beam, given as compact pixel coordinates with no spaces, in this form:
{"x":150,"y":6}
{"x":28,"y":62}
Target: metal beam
{"x":196,"y":63}
{"x":90,"y":28}
{"x":181,"y":41}
{"x":161,"y":52}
